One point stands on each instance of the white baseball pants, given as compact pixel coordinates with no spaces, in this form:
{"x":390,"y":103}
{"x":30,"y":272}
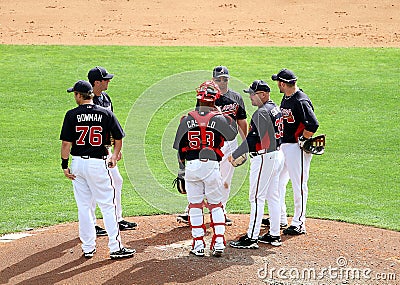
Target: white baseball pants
{"x":94,"y":182}
{"x":264,"y":181}
{"x":296,"y":168}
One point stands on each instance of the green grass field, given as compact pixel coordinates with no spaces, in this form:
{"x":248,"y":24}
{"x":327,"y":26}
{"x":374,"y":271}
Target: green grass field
{"x":355,"y":92}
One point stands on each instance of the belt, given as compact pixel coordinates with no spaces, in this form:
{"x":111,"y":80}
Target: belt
{"x":104,"y":157}
{"x":260,"y":152}
{"x":203,"y":159}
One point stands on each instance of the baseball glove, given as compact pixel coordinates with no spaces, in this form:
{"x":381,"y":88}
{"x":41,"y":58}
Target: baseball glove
{"x":239,"y":160}
{"x":179,"y":182}
{"x":315,"y":145}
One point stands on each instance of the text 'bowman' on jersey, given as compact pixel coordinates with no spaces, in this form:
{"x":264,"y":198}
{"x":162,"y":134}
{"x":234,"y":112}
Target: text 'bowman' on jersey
{"x":89,"y":128}
{"x":89,"y":117}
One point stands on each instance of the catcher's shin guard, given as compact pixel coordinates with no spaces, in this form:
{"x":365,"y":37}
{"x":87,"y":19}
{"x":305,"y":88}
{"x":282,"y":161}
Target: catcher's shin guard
{"x":196,"y":221}
{"x":217,"y":217}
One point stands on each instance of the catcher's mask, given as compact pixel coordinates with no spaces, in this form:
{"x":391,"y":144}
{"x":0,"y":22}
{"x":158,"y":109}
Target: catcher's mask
{"x":208,"y":91}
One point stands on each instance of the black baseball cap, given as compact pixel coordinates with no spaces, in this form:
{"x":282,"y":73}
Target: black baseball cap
{"x":285,"y":75}
{"x":257,"y":85}
{"x":221,"y":71}
{"x":81,"y":86}
{"x":99,"y":73}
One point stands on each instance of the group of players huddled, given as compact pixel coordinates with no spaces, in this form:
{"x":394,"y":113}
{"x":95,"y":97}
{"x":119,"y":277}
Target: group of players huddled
{"x":208,"y":152}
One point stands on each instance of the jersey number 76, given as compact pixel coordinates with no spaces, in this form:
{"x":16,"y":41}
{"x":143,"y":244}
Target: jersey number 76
{"x":95,"y":137}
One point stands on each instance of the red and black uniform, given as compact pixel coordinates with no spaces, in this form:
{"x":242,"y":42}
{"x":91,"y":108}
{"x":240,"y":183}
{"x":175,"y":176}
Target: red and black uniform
{"x":89,"y":127}
{"x":298,"y":114}
{"x":199,"y":139}
{"x":262,"y":142}
{"x":231,"y":103}
{"x":265,"y":131}
{"x":189,"y":141}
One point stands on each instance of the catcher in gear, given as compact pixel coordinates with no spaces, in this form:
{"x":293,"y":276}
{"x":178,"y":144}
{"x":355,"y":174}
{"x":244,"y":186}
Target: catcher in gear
{"x":230,"y":103}
{"x":199,"y":139}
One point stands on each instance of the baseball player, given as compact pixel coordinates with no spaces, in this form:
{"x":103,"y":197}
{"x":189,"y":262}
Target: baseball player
{"x":230,"y":103}
{"x":85,"y":132}
{"x":99,"y":79}
{"x":198,"y":140}
{"x":262,"y":142}
{"x":300,"y":123}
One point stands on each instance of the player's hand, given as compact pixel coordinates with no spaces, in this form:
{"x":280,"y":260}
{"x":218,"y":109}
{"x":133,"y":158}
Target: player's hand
{"x":119,"y":156}
{"x":230,"y":158}
{"x":112,"y":162}
{"x":68,"y":174}
{"x":301,"y":141}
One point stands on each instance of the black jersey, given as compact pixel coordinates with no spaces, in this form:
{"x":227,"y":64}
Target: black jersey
{"x":298,"y":114}
{"x":104,"y":101}
{"x":265,"y":132}
{"x":191,"y":143}
{"x":231,"y":103}
{"x":89,"y":127}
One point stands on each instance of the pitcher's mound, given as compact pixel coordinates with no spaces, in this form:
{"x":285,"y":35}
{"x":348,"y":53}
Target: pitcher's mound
{"x":330,"y":253}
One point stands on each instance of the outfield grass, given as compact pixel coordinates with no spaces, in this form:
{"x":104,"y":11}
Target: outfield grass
{"x":355,"y":92}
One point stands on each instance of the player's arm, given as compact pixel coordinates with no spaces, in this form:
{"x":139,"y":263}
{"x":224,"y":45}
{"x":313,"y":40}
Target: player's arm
{"x":117,"y":133}
{"x":243,"y":127}
{"x":241,"y":118}
{"x":65,"y":151}
{"x":249,"y":143}
{"x":309,"y":119}
{"x":226,"y":126}
{"x":180,"y":134}
{"x":117,"y":150}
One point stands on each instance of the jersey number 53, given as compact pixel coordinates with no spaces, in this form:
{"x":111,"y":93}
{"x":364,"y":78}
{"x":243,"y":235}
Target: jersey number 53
{"x":195,"y":139}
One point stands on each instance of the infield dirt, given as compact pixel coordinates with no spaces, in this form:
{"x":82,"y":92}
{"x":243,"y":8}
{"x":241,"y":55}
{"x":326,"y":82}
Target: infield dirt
{"x":53,"y":256}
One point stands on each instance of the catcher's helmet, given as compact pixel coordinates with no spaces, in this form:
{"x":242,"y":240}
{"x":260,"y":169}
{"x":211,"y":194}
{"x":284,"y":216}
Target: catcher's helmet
{"x":208,"y":91}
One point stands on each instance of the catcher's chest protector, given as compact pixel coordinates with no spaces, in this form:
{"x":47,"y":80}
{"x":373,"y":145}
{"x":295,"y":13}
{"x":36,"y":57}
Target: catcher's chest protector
{"x":202,"y":122}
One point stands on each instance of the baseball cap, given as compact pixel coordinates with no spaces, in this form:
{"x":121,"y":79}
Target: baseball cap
{"x":257,"y":85}
{"x":285,"y":75}
{"x":81,"y":86}
{"x":99,"y":73}
{"x":221,"y":71}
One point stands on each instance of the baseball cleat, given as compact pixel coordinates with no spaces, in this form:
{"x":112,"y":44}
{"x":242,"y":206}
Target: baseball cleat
{"x":122,"y":253}
{"x":272,"y":240}
{"x":100,"y":231}
{"x":218,"y":252}
{"x":294,"y":231}
{"x":89,"y":254}
{"x":266,"y":223}
{"x":184,"y":218}
{"x":125,"y":225}
{"x":197,"y":252}
{"x":244,"y":242}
